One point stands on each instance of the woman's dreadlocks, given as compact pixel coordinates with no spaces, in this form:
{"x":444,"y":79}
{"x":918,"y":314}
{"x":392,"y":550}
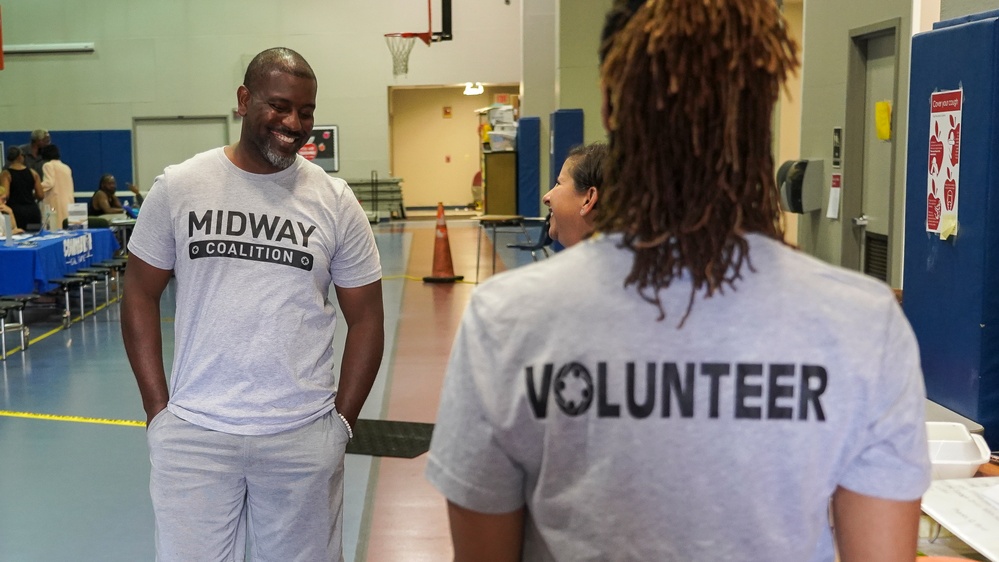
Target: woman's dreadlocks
{"x":691,"y":87}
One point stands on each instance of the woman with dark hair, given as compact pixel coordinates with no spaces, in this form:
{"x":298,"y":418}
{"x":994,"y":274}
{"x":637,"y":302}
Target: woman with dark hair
{"x":58,"y":186}
{"x":573,"y":199}
{"x":24,"y":190}
{"x":690,"y":387}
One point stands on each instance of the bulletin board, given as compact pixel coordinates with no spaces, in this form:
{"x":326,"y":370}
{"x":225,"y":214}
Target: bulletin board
{"x":950,"y":273}
{"x":323,"y":148}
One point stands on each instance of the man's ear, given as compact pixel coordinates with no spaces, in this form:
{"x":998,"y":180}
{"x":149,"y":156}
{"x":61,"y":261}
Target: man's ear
{"x":242,"y":100}
{"x":590,"y":203}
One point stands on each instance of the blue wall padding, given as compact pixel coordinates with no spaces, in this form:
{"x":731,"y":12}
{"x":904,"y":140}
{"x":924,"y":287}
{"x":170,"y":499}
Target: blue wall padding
{"x":566,"y":133}
{"x":951,"y":296}
{"x":90,"y":154}
{"x":529,"y":167}
{"x":965,"y":19}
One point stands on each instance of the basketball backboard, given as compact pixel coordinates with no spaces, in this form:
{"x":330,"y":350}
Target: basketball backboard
{"x":401,"y":44}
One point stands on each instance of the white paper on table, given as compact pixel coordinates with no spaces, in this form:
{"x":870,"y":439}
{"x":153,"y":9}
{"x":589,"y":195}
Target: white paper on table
{"x":991,"y":494}
{"x":962,"y":508}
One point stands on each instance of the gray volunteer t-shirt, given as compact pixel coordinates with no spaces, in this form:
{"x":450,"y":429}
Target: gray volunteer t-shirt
{"x":632,"y":439}
{"x":254,"y":258}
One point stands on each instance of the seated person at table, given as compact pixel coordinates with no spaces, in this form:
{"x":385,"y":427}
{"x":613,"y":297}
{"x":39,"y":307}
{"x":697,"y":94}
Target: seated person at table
{"x":105,"y":202}
{"x":573,"y":199}
{"x":4,"y":209}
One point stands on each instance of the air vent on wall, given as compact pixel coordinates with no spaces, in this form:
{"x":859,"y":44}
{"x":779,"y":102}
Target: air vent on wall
{"x":876,"y":256}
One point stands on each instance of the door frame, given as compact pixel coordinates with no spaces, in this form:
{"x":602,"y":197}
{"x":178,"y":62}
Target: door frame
{"x":853,"y":144}
{"x":152,"y":120}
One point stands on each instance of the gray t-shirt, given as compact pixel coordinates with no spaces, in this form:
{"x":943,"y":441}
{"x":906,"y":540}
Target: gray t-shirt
{"x":632,"y":439}
{"x":32,"y":161}
{"x":254,"y":258}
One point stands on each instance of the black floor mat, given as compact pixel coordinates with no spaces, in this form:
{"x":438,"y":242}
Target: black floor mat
{"x":382,"y":438}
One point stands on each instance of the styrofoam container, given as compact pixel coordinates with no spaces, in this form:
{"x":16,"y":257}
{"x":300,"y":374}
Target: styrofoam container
{"x":500,"y":114}
{"x":502,"y":141}
{"x":506,"y":128}
{"x":954,"y":451}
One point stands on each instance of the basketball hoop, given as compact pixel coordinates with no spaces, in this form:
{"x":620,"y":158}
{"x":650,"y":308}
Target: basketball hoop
{"x":400,"y":45}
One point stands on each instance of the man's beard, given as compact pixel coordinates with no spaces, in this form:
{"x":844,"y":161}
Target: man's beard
{"x":277,"y":160}
{"x":274,"y":157}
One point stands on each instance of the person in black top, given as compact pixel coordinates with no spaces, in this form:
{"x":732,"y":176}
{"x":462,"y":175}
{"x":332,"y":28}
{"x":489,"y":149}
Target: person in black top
{"x":24,"y":190}
{"x":105,"y":201}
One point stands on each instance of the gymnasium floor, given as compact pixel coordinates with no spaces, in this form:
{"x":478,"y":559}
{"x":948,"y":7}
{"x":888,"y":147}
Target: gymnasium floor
{"x":73,"y":459}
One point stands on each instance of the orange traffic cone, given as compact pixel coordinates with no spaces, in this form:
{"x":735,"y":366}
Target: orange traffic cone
{"x":443,"y":268}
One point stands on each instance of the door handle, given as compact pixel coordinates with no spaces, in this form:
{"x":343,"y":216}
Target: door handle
{"x":862,"y":220}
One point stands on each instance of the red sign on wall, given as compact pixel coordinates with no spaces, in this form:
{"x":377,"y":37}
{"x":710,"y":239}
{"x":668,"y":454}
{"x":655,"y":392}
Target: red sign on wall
{"x":944,"y":162}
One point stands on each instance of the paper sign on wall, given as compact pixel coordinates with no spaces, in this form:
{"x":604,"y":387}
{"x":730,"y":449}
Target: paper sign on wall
{"x":882,"y":120}
{"x":77,"y":216}
{"x":942,"y":184}
{"x":836,"y":184}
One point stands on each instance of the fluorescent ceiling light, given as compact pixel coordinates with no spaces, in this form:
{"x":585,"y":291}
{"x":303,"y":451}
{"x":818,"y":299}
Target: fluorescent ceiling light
{"x":40,"y":48}
{"x":473,"y":90}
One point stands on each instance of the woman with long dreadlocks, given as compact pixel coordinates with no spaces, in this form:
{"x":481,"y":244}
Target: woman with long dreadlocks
{"x":693,"y":389}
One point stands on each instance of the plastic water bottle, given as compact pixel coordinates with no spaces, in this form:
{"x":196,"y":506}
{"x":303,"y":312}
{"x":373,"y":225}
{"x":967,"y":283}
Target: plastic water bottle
{"x":8,"y":231}
{"x":47,"y":220}
{"x":129,"y":210}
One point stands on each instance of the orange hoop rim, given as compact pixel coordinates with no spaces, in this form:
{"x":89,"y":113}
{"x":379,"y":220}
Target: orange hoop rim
{"x":423,"y":36}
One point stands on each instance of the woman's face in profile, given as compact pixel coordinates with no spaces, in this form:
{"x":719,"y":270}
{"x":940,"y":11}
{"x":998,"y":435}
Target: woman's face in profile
{"x":566,"y":202}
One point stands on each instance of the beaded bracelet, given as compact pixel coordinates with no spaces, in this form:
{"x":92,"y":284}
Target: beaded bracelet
{"x":350,"y":432}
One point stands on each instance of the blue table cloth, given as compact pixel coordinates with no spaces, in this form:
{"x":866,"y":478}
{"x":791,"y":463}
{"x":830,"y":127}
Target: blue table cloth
{"x":29,"y":265}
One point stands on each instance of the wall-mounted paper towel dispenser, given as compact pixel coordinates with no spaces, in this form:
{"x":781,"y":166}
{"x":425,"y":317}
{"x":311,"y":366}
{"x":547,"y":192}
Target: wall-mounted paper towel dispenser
{"x":800,"y":183}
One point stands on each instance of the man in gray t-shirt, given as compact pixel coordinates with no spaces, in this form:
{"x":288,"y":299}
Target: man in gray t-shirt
{"x":33,"y":150}
{"x":250,"y":433}
{"x":683,"y":386}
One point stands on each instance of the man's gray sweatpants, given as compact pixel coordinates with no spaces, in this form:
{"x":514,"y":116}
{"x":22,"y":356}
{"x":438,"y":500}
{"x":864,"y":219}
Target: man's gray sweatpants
{"x":210,"y":488}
